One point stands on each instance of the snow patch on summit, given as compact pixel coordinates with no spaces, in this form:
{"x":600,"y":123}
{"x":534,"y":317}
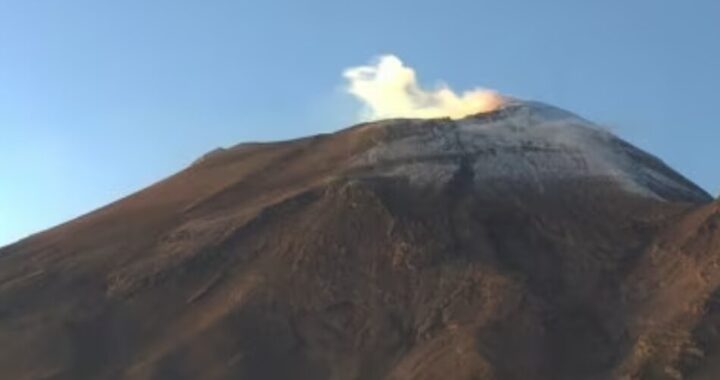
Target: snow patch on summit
{"x":523,"y":143}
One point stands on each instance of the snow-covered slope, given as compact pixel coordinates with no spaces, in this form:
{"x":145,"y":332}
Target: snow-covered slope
{"x":526,"y":144}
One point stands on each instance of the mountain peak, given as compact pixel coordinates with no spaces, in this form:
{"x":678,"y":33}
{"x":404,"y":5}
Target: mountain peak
{"x":523,"y":145}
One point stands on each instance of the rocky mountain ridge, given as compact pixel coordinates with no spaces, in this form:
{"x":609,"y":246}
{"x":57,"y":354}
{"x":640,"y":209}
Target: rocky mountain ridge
{"x":520,"y":244}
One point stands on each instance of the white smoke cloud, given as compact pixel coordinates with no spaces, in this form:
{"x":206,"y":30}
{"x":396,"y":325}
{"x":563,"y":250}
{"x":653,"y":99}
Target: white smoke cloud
{"x":390,"y":89}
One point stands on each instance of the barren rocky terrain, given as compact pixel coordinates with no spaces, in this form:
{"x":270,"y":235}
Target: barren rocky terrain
{"x":522,"y":244}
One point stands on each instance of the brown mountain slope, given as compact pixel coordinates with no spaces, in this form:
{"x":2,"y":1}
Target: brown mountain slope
{"x":396,"y":250}
{"x":674,"y":292}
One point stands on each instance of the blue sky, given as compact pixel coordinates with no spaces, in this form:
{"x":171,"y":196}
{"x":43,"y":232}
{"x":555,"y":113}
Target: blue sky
{"x":101,"y":98}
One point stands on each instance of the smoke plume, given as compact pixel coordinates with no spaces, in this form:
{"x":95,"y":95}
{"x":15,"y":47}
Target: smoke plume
{"x":390,"y":89}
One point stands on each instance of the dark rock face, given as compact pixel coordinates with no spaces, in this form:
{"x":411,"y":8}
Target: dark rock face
{"x":395,"y":250}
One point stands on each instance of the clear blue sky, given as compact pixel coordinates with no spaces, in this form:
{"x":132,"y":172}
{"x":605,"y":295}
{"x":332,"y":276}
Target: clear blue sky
{"x":101,"y":98}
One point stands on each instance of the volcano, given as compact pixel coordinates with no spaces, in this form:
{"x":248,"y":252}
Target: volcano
{"x":523,"y":243}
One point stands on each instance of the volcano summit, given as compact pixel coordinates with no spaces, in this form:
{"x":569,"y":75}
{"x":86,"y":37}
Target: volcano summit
{"x":522,"y":243}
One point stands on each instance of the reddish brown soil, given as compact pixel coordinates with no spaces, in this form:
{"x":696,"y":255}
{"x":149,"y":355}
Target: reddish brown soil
{"x":270,"y":261}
